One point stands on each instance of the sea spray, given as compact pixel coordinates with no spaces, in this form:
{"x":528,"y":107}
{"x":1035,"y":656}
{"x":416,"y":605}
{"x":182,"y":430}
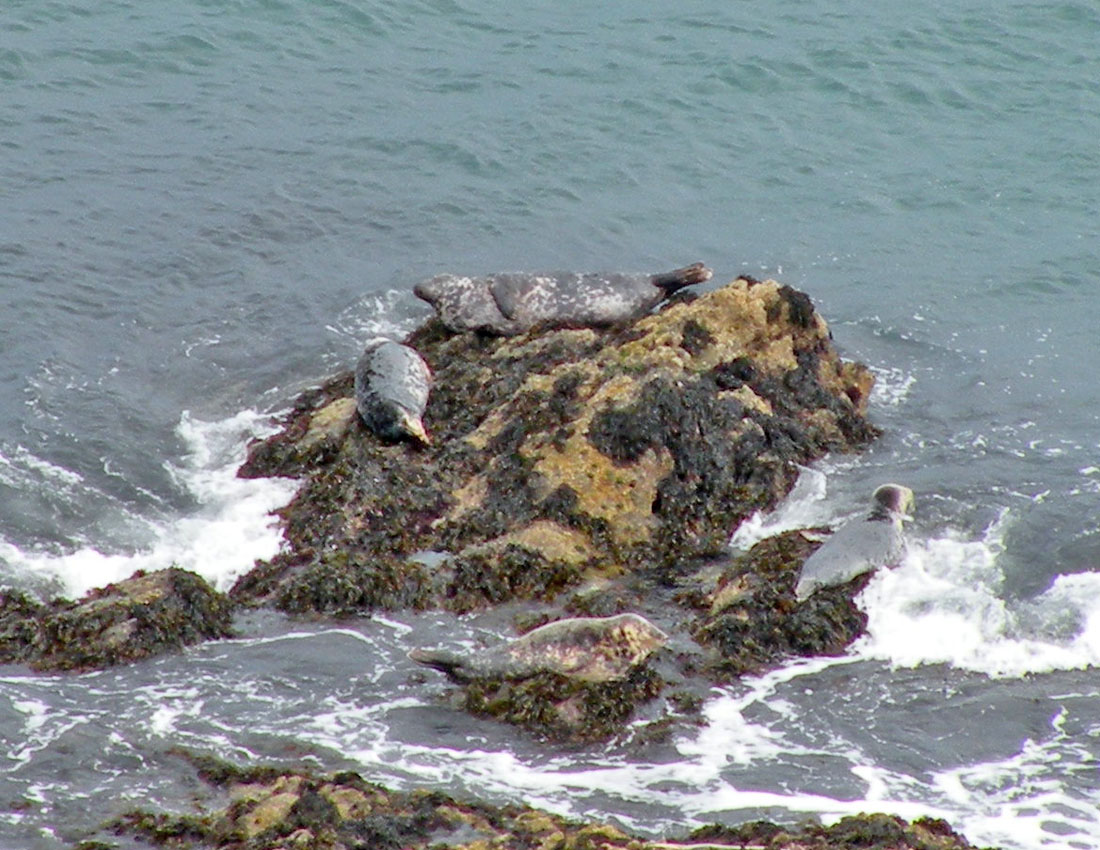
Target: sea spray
{"x":229,"y":529}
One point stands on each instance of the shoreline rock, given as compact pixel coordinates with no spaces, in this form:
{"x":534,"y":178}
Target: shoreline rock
{"x":272,"y":808}
{"x":587,"y":472}
{"x":140,"y":617}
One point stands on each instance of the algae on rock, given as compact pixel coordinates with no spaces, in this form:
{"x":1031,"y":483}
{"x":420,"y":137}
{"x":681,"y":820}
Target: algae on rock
{"x":271,"y":808}
{"x":142,"y":616}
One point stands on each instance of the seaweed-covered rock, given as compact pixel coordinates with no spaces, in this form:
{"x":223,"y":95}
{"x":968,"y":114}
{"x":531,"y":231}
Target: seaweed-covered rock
{"x":577,"y":679}
{"x":271,"y":808}
{"x":142,"y":616}
{"x":752,"y":618}
{"x":560,"y":456}
{"x":563,"y":708}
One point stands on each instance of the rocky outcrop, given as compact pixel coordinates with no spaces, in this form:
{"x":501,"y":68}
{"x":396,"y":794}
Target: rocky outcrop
{"x":589,"y":469}
{"x":560,"y":456}
{"x":145,"y":615}
{"x":271,"y":808}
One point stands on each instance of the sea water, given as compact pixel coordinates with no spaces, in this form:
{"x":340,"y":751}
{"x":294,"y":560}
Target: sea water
{"x":206,"y":206}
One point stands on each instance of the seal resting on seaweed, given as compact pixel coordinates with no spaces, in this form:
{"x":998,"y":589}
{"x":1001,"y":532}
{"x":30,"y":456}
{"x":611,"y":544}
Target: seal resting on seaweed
{"x":511,"y":303}
{"x":392,"y":382}
{"x":860,"y":545}
{"x":591,"y":649}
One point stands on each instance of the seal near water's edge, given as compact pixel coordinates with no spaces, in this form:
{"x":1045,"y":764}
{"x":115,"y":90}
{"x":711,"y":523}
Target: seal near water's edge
{"x":860,"y":545}
{"x":591,"y":649}
{"x":513,"y":302}
{"x":392,"y":382}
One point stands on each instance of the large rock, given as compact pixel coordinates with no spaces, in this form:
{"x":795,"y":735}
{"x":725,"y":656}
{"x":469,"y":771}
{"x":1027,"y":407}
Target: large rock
{"x":560,"y":456}
{"x":143,"y":616}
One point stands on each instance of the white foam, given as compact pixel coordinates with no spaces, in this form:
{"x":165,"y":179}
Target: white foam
{"x":1022,"y":800}
{"x":231,"y":528}
{"x":803,"y":507}
{"x":943,"y":605}
{"x":386,"y":314}
{"x":892,"y":386}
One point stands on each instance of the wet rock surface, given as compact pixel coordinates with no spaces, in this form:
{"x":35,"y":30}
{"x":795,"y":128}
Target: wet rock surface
{"x":143,"y":616}
{"x":270,"y":808}
{"x":752,"y":619}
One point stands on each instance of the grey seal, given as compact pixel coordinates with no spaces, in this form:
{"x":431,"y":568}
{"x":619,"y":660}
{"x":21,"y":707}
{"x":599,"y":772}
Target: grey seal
{"x":860,"y":545}
{"x":392,"y":383}
{"x":514,"y":302}
{"x":591,"y":649}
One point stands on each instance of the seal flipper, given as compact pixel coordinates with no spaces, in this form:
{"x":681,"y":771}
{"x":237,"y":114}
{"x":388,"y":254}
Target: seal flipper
{"x":454,"y":666}
{"x":508,"y":291}
{"x":679,"y":278}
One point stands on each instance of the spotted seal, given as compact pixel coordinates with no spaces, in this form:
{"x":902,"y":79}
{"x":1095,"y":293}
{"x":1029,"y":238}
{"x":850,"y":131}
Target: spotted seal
{"x":511,"y":303}
{"x":860,"y":545}
{"x":591,"y":649}
{"x":392,"y":382}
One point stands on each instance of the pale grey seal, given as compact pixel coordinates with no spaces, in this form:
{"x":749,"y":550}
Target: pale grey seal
{"x":514,"y":302}
{"x":392,"y":382}
{"x":591,"y":649}
{"x":860,"y":545}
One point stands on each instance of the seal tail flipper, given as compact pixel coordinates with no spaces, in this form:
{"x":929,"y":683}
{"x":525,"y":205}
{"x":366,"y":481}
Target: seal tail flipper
{"x":679,"y":278}
{"x":446,"y":662}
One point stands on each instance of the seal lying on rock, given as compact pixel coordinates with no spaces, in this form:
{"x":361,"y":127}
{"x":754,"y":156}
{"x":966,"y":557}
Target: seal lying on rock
{"x":591,"y":649}
{"x":391,"y":390}
{"x":860,"y":545}
{"x":511,"y":303}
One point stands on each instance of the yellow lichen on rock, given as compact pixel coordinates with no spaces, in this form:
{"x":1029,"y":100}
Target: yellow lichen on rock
{"x":331,"y":421}
{"x":470,"y":496}
{"x":737,"y":318}
{"x":273,"y":808}
{"x":553,"y":541}
{"x":349,"y":802}
{"x":620,"y":494}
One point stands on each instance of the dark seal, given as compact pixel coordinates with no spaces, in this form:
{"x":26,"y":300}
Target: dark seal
{"x":392,"y":382}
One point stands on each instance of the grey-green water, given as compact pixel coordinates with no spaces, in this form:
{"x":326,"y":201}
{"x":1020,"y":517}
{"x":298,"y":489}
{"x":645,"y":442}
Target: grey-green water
{"x":206,"y":205}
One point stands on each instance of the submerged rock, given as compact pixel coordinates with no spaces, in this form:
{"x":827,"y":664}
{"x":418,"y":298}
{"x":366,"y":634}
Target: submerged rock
{"x":560,"y":456}
{"x":145,"y":615}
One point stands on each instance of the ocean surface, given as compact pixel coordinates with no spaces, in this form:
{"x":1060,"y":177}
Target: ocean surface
{"x":207,"y":205}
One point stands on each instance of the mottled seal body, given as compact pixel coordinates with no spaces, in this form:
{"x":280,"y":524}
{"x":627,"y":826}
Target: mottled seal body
{"x":861,"y":545}
{"x":513,"y":302}
{"x":392,"y":383}
{"x":591,"y":649}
